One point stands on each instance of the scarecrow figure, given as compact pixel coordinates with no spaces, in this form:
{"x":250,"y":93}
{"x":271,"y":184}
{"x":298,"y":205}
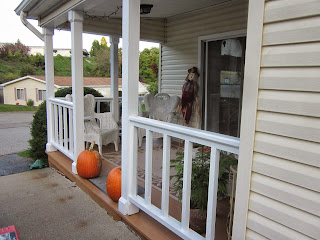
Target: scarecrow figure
{"x":189,"y":93}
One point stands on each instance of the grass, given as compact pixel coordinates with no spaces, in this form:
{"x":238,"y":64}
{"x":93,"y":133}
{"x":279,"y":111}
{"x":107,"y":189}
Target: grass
{"x":16,"y":108}
{"x":25,"y":154}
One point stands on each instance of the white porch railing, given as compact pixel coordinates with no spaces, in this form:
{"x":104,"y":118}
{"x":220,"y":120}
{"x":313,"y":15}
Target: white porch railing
{"x":216,"y":141}
{"x":62,"y":130}
{"x":100,"y":100}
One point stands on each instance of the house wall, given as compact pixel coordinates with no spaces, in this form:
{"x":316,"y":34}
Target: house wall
{"x":105,"y":91}
{"x":180,"y":51}
{"x":284,"y":193}
{"x":30,"y":85}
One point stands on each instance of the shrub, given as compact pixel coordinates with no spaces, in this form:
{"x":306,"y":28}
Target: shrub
{"x":104,"y":107}
{"x":37,"y":60}
{"x":26,"y":70}
{"x":153,"y":88}
{"x":39,"y":134}
{"x":30,"y":103}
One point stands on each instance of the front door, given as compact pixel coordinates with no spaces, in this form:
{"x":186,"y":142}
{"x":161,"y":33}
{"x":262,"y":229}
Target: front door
{"x":222,"y":83}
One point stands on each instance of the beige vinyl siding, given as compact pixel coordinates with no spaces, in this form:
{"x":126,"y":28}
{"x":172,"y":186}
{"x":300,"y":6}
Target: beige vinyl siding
{"x":180,"y":51}
{"x":284,"y":200}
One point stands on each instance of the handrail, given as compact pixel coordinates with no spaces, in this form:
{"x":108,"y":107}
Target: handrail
{"x":223,"y":142}
{"x":61,"y":102}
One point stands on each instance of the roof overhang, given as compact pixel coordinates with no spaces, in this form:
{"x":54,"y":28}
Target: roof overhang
{"x":24,"y":78}
{"x":52,"y":13}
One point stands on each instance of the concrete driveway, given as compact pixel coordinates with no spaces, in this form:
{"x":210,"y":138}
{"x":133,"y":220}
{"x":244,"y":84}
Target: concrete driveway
{"x":44,"y":205}
{"x":14,"y":131}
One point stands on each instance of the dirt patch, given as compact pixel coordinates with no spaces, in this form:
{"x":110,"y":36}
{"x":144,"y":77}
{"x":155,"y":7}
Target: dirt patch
{"x":63,"y":200}
{"x":82,"y":224}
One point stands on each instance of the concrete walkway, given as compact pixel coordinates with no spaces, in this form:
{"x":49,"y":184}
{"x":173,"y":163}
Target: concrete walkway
{"x":42,"y":204}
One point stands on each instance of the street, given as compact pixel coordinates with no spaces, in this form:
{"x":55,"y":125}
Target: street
{"x":14,"y":137}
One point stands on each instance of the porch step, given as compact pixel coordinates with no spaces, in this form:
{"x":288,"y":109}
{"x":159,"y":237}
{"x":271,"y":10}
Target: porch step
{"x":141,"y":223}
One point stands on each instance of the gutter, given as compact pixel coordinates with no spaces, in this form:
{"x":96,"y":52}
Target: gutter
{"x":23,"y":18}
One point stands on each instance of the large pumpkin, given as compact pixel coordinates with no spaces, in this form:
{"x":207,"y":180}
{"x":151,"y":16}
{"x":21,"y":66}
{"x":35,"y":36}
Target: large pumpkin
{"x":89,"y":163}
{"x":114,"y":184}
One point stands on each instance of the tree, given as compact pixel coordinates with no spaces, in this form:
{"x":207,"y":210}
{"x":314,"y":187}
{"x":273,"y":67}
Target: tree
{"x":94,"y":48}
{"x":149,"y":64}
{"x":148,"y":68}
{"x":18,"y":49}
{"x":102,"y":59}
{"x":104,"y":42}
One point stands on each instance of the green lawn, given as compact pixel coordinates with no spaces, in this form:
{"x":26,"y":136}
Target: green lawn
{"x":16,"y":108}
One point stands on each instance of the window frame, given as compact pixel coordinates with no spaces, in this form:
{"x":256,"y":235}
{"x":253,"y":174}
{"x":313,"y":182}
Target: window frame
{"x":19,"y":91}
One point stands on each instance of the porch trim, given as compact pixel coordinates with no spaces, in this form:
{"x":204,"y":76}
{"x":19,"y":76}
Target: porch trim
{"x":249,"y":112}
{"x":130,"y":81}
{"x":76,"y":19}
{"x":49,"y":73}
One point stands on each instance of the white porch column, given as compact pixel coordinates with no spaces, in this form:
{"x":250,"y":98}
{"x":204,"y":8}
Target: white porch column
{"x":114,"y":69}
{"x":49,"y":71}
{"x":76,"y":18}
{"x":130,"y":80}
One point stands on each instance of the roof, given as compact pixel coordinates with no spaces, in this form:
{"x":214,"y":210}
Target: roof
{"x":62,"y":81}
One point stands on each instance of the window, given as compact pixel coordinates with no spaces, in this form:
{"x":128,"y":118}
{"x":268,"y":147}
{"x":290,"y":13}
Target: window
{"x":20,"y":94}
{"x":42,"y":95}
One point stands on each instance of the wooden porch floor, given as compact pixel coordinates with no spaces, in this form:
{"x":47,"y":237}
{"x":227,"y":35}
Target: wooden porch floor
{"x":145,"y":226}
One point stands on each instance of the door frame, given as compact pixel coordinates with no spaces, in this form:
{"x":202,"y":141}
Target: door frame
{"x":202,"y":40}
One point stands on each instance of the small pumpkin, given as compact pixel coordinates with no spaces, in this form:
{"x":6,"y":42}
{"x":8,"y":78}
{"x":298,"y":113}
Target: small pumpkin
{"x":113,"y":184}
{"x":89,"y":163}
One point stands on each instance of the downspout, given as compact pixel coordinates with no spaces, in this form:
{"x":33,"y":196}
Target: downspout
{"x":23,"y":18}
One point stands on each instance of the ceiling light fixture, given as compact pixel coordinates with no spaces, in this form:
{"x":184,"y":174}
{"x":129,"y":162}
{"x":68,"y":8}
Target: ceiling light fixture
{"x":145,"y":8}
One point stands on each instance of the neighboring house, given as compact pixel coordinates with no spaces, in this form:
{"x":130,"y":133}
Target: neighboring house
{"x":34,"y":88}
{"x":258,"y":59}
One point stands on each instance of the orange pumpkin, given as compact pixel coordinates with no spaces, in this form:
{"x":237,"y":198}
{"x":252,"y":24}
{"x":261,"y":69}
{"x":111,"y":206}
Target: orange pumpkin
{"x":89,"y":163}
{"x":114,"y":184}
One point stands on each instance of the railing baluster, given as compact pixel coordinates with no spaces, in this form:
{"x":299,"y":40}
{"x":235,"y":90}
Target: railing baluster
{"x":135,"y":160}
{"x":71,"y":130}
{"x":98,"y":106}
{"x":148,"y":168}
{"x":55,"y":107}
{"x":186,"y":190}
{"x":212,"y":194}
{"x":65,"y":128}
{"x":60,"y":126}
{"x":165,"y":175}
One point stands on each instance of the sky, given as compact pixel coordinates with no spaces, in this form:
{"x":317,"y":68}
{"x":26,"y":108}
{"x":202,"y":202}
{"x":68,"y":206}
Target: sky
{"x":12,"y":29}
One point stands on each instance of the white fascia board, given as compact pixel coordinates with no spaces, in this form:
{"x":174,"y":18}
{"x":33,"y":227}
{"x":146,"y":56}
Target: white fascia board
{"x":25,"y":5}
{"x":26,"y":77}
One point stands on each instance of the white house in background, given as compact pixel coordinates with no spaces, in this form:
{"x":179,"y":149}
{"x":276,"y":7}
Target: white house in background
{"x":34,"y":87}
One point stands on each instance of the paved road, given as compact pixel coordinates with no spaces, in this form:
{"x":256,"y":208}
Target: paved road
{"x":14,"y":131}
{"x":14,"y":137}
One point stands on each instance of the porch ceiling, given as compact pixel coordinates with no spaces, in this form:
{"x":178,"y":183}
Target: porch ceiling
{"x":47,"y":10}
